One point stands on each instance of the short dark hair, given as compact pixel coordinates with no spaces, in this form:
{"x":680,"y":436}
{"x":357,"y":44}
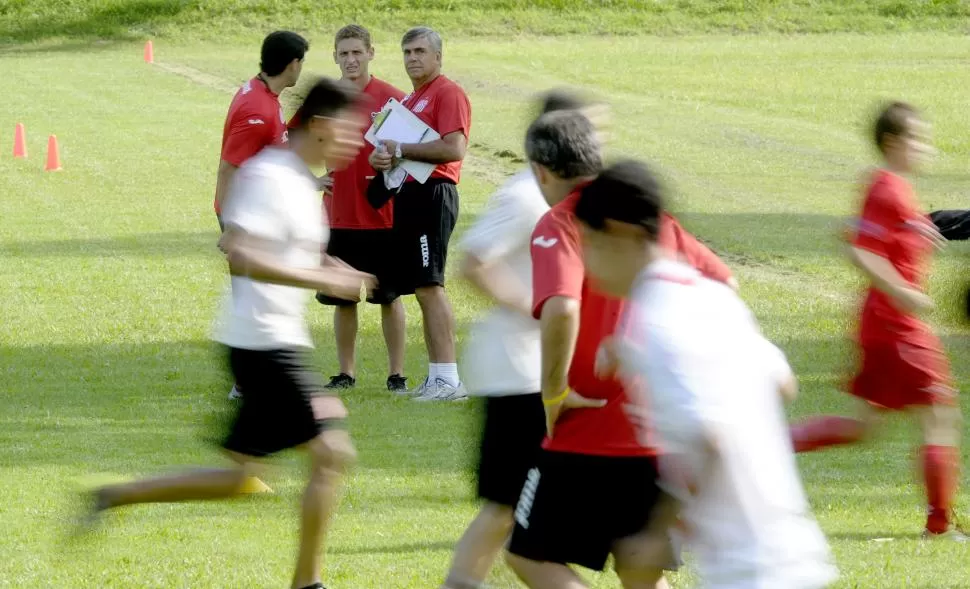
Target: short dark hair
{"x":325,"y":98}
{"x":280,"y":48}
{"x":560,"y":99}
{"x":565,"y":142}
{"x":626,"y":192}
{"x":893,"y":119}
{"x":353,"y":31}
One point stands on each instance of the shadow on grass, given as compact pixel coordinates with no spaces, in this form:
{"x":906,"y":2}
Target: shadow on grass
{"x":111,"y":20}
{"x":164,"y":244}
{"x":395,"y":549}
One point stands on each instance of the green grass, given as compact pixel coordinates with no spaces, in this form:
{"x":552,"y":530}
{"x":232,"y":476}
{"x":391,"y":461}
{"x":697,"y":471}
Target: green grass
{"x":109,"y":279}
{"x":34,"y":20}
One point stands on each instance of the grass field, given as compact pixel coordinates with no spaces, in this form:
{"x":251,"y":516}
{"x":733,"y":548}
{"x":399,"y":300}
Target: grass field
{"x":109,"y":279}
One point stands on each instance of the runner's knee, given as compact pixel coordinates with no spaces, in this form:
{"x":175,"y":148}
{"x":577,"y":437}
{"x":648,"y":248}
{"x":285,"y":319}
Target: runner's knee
{"x":333,"y":451}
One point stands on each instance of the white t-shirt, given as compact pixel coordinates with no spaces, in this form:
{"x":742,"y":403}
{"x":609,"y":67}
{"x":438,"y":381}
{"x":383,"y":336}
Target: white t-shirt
{"x":709,"y":374}
{"x":502,"y":356}
{"x":274,"y":200}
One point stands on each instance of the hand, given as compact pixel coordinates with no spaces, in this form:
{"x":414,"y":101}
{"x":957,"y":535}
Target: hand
{"x":380,"y":159}
{"x":572,"y":401}
{"x":325,"y":184}
{"x":607,"y":360}
{"x":912,"y":300}
{"x":347,"y":284}
{"x":927,"y":229}
{"x":391,"y":148}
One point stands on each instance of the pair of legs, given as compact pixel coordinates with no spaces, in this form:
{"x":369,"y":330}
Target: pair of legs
{"x":330,"y":454}
{"x":940,"y":454}
{"x":634,"y":564}
{"x":438,"y":322}
{"x":392,"y":322}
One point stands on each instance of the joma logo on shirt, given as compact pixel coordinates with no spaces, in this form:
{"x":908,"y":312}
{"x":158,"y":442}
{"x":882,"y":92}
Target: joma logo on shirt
{"x":425,"y":251}
{"x":528,"y":496}
{"x":545,"y":242}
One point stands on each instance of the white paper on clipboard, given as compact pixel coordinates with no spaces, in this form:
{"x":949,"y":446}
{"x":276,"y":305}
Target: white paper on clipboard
{"x":396,"y":123}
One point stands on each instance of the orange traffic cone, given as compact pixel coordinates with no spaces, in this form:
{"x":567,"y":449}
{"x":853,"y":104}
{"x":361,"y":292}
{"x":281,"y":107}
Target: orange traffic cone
{"x":19,"y":141}
{"x":149,"y":53}
{"x":53,"y":155}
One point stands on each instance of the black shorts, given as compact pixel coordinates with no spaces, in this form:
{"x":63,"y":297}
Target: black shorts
{"x":574,"y":507}
{"x":367,"y":250}
{"x":424,"y":217}
{"x":510,"y":446}
{"x":275,"y":412}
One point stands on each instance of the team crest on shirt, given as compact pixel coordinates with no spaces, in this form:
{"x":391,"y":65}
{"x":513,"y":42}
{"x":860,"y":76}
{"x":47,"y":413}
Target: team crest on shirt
{"x":419,"y":107}
{"x":247,"y":87}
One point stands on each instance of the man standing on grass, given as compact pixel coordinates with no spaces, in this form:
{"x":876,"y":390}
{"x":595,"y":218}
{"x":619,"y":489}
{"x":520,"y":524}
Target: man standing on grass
{"x":594,"y":485}
{"x":273,"y":237}
{"x":360,"y":235}
{"x":255,"y":119}
{"x":425,"y":214}
{"x":502,"y":362}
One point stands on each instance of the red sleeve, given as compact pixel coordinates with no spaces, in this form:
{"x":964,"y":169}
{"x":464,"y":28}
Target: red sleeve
{"x":453,"y":112}
{"x":557,"y":261}
{"x":248,"y":133}
{"x":676,"y":239}
{"x":880,"y":213}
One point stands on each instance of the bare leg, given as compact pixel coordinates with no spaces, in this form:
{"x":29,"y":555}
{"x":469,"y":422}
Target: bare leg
{"x":544,"y":575}
{"x":940,"y":456}
{"x":345,"y":329}
{"x":439,"y":324}
{"x":395,"y":334}
{"x":193,"y":485}
{"x":478,"y":547}
{"x":331,"y":453}
{"x":639,"y":561}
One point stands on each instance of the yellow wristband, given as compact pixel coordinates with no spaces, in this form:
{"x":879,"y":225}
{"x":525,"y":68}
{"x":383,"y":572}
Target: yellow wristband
{"x":557,"y":399}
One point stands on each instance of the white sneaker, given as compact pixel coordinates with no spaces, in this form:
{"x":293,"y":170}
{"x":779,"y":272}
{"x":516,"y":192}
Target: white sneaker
{"x":234,"y":394}
{"x":421,"y":389}
{"x":442,"y":390}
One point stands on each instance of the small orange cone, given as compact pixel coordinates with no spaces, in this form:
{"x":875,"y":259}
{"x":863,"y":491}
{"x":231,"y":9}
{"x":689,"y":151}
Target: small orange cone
{"x":19,"y":141}
{"x":149,"y":53}
{"x":53,"y":155}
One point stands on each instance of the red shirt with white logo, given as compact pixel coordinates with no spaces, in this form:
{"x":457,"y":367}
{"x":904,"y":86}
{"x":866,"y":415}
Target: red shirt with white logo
{"x":557,"y":270}
{"x":444,"y":107}
{"x":886,"y":228}
{"x":348,"y":208}
{"x":255,"y":120}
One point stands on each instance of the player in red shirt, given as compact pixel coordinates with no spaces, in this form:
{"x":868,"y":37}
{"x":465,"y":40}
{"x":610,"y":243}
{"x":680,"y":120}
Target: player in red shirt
{"x":903,"y":364}
{"x":593,"y":489}
{"x":255,"y":118}
{"x":361,"y":235}
{"x":425,"y":214}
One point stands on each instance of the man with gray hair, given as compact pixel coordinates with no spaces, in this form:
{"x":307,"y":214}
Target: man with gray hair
{"x":425,"y":214}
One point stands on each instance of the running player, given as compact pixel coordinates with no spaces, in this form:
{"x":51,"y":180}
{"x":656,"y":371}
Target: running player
{"x":903,"y":363}
{"x":502,"y":361}
{"x":594,"y":485}
{"x":360,"y":234}
{"x":273,"y":239}
{"x":255,"y":118}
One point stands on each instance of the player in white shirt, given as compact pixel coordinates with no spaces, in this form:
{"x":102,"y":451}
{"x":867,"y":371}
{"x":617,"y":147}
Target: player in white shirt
{"x":714,"y":387}
{"x":273,"y":239}
{"x":502,"y":359}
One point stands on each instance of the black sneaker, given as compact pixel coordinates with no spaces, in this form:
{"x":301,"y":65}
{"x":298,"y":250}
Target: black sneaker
{"x":341,"y":381}
{"x":397,"y":383}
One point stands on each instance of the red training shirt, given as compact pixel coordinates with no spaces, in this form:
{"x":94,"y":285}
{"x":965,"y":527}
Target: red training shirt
{"x":348,"y":208}
{"x":255,"y":120}
{"x":444,"y":107}
{"x":557,"y":270}
{"x":886,"y":228}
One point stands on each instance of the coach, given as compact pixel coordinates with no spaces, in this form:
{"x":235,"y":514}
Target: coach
{"x":425,"y":214}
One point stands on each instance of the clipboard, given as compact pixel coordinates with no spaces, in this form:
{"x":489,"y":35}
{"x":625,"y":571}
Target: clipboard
{"x":396,"y":123}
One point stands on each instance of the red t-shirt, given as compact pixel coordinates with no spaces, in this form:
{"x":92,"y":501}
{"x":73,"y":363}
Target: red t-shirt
{"x":885,"y":228}
{"x":444,"y":107}
{"x":348,"y":208}
{"x":255,"y":120}
{"x":557,"y":270}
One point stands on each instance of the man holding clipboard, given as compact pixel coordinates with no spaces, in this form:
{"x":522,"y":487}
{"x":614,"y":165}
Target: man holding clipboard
{"x":425,"y":213}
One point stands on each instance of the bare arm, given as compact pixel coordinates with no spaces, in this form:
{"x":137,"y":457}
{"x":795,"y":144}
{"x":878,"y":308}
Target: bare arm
{"x":497,"y":281}
{"x":883,"y":276}
{"x":223,"y":180}
{"x":247,"y":259}
{"x":559,"y":324}
{"x":450,"y":148}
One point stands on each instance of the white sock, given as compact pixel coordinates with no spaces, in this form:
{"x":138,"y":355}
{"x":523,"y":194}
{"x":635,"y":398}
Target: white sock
{"x":448,"y":373}
{"x":432,"y":372}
